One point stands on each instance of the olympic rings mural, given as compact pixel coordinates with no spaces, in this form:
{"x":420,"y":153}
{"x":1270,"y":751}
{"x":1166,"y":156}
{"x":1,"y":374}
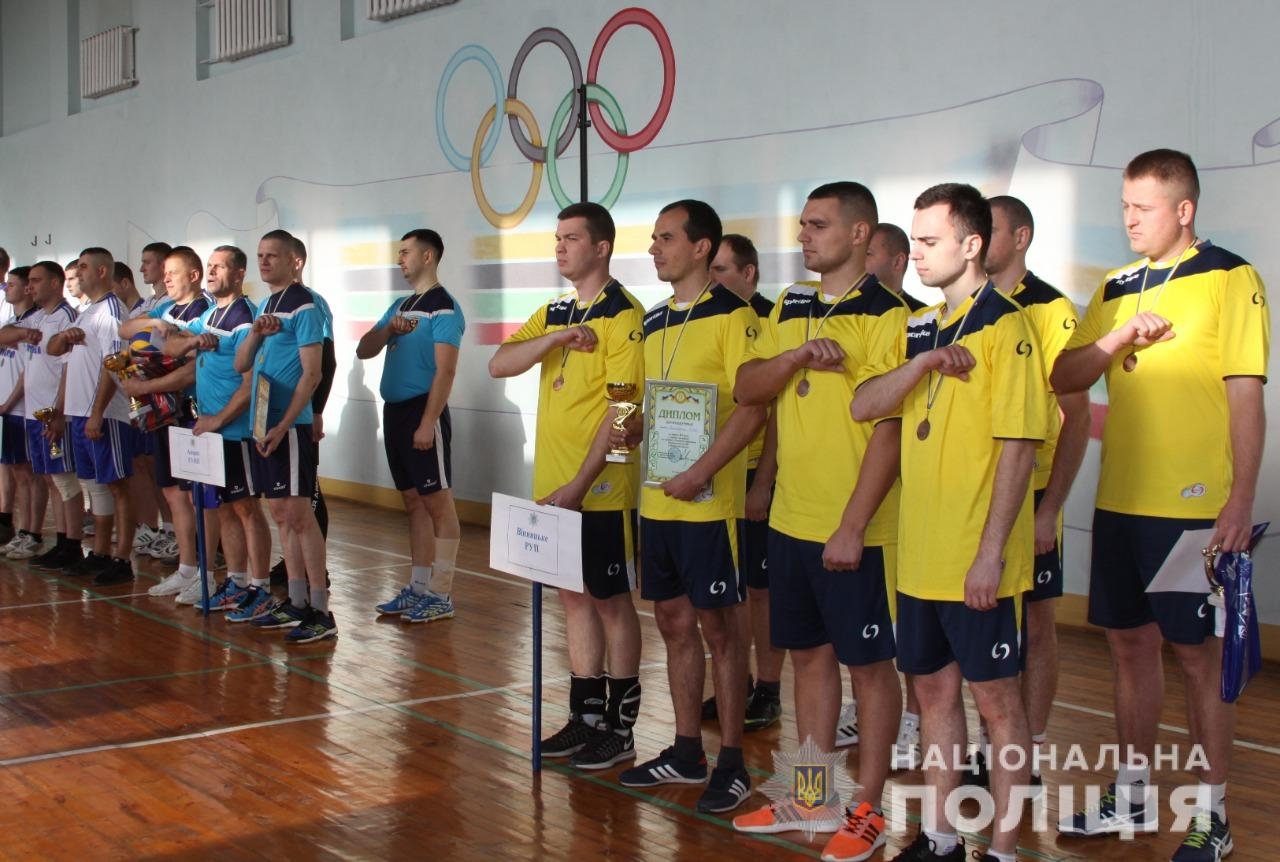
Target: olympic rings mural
{"x":564,"y":125}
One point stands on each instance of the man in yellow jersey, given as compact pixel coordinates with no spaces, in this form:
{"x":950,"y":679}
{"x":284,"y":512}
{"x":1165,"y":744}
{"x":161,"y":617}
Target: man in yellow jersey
{"x":584,"y":340}
{"x":829,"y":603}
{"x":688,"y":524}
{"x":1182,"y":338}
{"x":737,"y":267}
{"x":1053,"y":317}
{"x":975,"y":405}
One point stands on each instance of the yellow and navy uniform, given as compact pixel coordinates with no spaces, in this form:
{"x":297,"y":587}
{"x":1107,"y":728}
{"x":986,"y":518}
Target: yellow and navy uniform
{"x":947,"y":477}
{"x":1166,"y":446}
{"x":704,"y":343}
{"x":820,"y":447}
{"x":1053,"y":317}
{"x":762,"y":306}
{"x":569,"y":417}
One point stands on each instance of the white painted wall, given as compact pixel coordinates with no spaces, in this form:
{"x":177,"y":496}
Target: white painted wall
{"x":336,"y":140}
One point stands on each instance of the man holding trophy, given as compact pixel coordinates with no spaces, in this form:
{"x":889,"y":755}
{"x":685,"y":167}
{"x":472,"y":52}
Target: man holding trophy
{"x":694,"y":475}
{"x":588,"y":343}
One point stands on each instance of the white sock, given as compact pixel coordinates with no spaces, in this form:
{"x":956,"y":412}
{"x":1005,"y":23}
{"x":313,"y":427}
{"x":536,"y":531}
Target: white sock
{"x":240,"y":579}
{"x":188,"y":571}
{"x":419,"y":580}
{"x":1130,"y":774}
{"x":260,"y":582}
{"x":166,"y":526}
{"x":1217,"y":798}
{"x":943,"y":842}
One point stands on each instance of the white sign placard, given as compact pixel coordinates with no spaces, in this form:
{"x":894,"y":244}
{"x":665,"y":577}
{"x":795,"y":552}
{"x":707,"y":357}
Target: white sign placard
{"x":538,"y":543}
{"x":196,"y":459}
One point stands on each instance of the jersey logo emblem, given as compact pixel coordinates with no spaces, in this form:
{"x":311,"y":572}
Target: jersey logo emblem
{"x":870,"y":631}
{"x":1196,"y":490}
{"x":718,"y":588}
{"x":1000,"y":651}
{"x":1023,"y":348}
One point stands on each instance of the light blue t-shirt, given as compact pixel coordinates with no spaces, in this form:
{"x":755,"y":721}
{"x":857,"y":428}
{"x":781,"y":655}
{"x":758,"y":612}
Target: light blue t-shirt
{"x":302,"y":323}
{"x":410,"y":366}
{"x":216,"y":377}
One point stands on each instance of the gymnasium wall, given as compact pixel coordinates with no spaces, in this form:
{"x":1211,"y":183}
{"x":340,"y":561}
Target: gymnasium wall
{"x":357,"y":131}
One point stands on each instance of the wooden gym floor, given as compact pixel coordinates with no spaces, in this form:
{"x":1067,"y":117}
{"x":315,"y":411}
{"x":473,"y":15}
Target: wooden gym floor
{"x":132,"y":728}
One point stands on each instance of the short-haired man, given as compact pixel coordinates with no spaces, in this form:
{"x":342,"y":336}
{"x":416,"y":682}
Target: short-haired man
{"x":72,"y":285}
{"x":423,"y":334}
{"x":737,"y":267}
{"x":183,"y":277}
{"x":1182,"y":338}
{"x":29,"y":497}
{"x":975,"y":405}
{"x":125,"y":288}
{"x":828,"y":563}
{"x":43,"y":390}
{"x":283,"y":350}
{"x":688,"y":526}
{"x":887,"y":257}
{"x":1053,"y":317}
{"x":101,"y":435}
{"x":222,"y":401}
{"x":582,"y":341}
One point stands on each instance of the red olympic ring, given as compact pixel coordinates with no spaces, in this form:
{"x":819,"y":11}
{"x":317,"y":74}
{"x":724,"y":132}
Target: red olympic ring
{"x":642,"y":18}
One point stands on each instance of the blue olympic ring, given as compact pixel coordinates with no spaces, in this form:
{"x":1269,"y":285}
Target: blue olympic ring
{"x":458,"y":160}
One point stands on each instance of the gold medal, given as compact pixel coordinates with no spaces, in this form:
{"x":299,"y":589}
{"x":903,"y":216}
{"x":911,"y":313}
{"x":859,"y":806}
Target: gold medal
{"x":558,"y":383}
{"x":922,"y":430}
{"x":802,"y":388}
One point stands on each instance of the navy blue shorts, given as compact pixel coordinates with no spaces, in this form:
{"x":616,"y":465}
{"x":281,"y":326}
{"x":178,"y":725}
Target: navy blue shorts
{"x":1047,"y":577}
{"x":108,"y":459}
{"x":13,"y":441}
{"x":753,"y":542}
{"x":239,"y":479}
{"x":38,"y":448}
{"x":609,"y":552}
{"x":290,"y":470}
{"x":160,"y":448}
{"x":1128,"y":550}
{"x":698,"y":559}
{"x":146,"y":444}
{"x":986,"y":644}
{"x":427,"y":470}
{"x":810,"y":606}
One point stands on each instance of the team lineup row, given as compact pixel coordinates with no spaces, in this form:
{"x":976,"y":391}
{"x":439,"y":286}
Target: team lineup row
{"x":884,"y":482}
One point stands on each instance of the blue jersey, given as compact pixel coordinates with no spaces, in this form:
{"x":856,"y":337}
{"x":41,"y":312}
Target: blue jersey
{"x":216,"y":377}
{"x":410,"y":366}
{"x":302,"y":323}
{"x":181,"y":316}
{"x":323,"y":305}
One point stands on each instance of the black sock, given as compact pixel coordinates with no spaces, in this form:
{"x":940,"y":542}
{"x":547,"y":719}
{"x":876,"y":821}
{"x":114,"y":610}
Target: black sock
{"x":624,"y":703}
{"x":773,"y":689}
{"x":688,"y":748}
{"x":730,"y":758}
{"x":587,"y":695}
{"x":39,"y":537}
{"x":6,"y":519}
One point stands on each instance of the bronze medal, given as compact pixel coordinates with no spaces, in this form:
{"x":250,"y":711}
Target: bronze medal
{"x":558,"y":383}
{"x":802,"y":388}
{"x":1130,"y":362}
{"x":922,"y":430}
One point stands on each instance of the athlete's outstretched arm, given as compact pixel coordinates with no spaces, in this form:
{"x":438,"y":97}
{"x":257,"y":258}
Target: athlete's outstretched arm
{"x":883,"y":396}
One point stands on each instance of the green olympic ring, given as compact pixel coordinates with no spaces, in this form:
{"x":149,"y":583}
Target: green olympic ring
{"x":601,"y":96}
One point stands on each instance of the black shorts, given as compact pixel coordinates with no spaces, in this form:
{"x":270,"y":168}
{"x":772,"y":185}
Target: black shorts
{"x":810,"y":606}
{"x":427,"y":471}
{"x":609,"y":552}
{"x":289,"y":471}
{"x":698,"y":559}
{"x":160,"y":446}
{"x":753,"y":544}
{"x":1128,"y":550}
{"x":1046,"y":580}
{"x":13,"y":446}
{"x":238,"y":460}
{"x":986,"y":644}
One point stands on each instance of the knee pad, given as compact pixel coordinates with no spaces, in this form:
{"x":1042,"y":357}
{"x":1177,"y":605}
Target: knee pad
{"x":67,"y":485}
{"x":101,"y":502}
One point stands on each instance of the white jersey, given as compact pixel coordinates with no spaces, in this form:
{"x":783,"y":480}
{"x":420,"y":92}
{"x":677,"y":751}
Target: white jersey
{"x":12,"y":362}
{"x":6,"y":312}
{"x":101,"y":324}
{"x":148,"y":305}
{"x":44,"y":372}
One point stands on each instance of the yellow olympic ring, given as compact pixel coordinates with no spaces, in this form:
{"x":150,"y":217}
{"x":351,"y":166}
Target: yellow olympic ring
{"x":501,"y":220}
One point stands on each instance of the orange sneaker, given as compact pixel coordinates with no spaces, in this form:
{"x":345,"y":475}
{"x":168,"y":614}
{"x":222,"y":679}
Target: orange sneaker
{"x":861,"y":835}
{"x":786,"y":817}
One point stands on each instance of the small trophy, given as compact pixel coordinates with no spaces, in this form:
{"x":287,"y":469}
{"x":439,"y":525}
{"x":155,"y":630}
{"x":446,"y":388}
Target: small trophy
{"x":119,"y":365}
{"x":45,"y":416}
{"x":621,"y":394}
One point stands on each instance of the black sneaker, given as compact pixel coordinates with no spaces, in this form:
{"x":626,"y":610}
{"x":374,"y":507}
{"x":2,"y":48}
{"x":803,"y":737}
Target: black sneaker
{"x":709,"y":705}
{"x":608,"y":749}
{"x":115,"y":572}
{"x":59,"y":557}
{"x":763,"y":709}
{"x":572,"y":738}
{"x":665,"y":769}
{"x":1208,"y":841}
{"x":921,"y":850}
{"x":728,"y":788}
{"x":976,"y":773}
{"x":90,"y":565}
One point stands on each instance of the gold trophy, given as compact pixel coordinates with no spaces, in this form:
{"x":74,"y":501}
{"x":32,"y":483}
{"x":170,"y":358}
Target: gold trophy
{"x":621,"y":394}
{"x":119,"y":365}
{"x":45,"y":416}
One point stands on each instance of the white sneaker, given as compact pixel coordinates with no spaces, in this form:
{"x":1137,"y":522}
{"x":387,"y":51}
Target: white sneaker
{"x":144,"y":536}
{"x":191,"y":591}
{"x":163,"y":547}
{"x":847,"y":726}
{"x":172,"y":585}
{"x":14,"y":543}
{"x":27,"y":548}
{"x":906,"y":751}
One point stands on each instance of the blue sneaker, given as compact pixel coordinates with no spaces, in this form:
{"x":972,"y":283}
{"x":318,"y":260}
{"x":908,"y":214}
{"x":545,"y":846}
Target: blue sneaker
{"x":222,"y":599}
{"x":255,"y":603}
{"x":429,"y":609}
{"x":665,"y":769}
{"x":1118,"y":811}
{"x":1208,"y":841}
{"x":318,"y":625}
{"x":281,"y":615}
{"x":405,"y":601}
